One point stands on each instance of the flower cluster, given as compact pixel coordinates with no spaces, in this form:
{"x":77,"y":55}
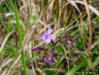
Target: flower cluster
{"x":66,"y":40}
{"x":47,"y":37}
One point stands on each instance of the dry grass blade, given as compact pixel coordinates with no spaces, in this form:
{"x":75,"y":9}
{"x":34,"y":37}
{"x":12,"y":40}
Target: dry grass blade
{"x":42,"y":73}
{"x":32,"y":72}
{"x":54,"y":69}
{"x":90,"y":26}
{"x":13,"y":65}
{"x":93,"y":9}
{"x":96,"y":43}
{"x":5,"y":40}
{"x":6,"y":63}
{"x":9,"y":14}
{"x":1,"y":1}
{"x":74,"y":4}
{"x":4,"y":72}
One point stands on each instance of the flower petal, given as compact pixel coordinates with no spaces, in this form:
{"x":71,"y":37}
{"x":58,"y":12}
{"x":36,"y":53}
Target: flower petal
{"x":44,"y":36}
{"x":48,"y":40}
{"x":49,"y":31}
{"x":51,"y":54}
{"x":53,"y":37}
{"x":48,"y":61}
{"x":37,"y":48}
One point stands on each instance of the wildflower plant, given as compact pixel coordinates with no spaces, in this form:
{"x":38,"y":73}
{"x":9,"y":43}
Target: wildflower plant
{"x":48,"y":37}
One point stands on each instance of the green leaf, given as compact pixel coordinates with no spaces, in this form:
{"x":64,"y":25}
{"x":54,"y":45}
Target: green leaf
{"x":24,"y":62}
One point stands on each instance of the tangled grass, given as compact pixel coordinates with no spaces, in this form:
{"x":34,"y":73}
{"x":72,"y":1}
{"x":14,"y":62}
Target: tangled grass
{"x":75,"y":24}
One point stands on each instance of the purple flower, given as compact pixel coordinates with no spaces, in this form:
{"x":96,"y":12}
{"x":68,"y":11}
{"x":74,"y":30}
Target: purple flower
{"x":51,"y":54}
{"x":64,"y":42}
{"x":37,"y":48}
{"x":48,"y":36}
{"x":48,"y":61}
